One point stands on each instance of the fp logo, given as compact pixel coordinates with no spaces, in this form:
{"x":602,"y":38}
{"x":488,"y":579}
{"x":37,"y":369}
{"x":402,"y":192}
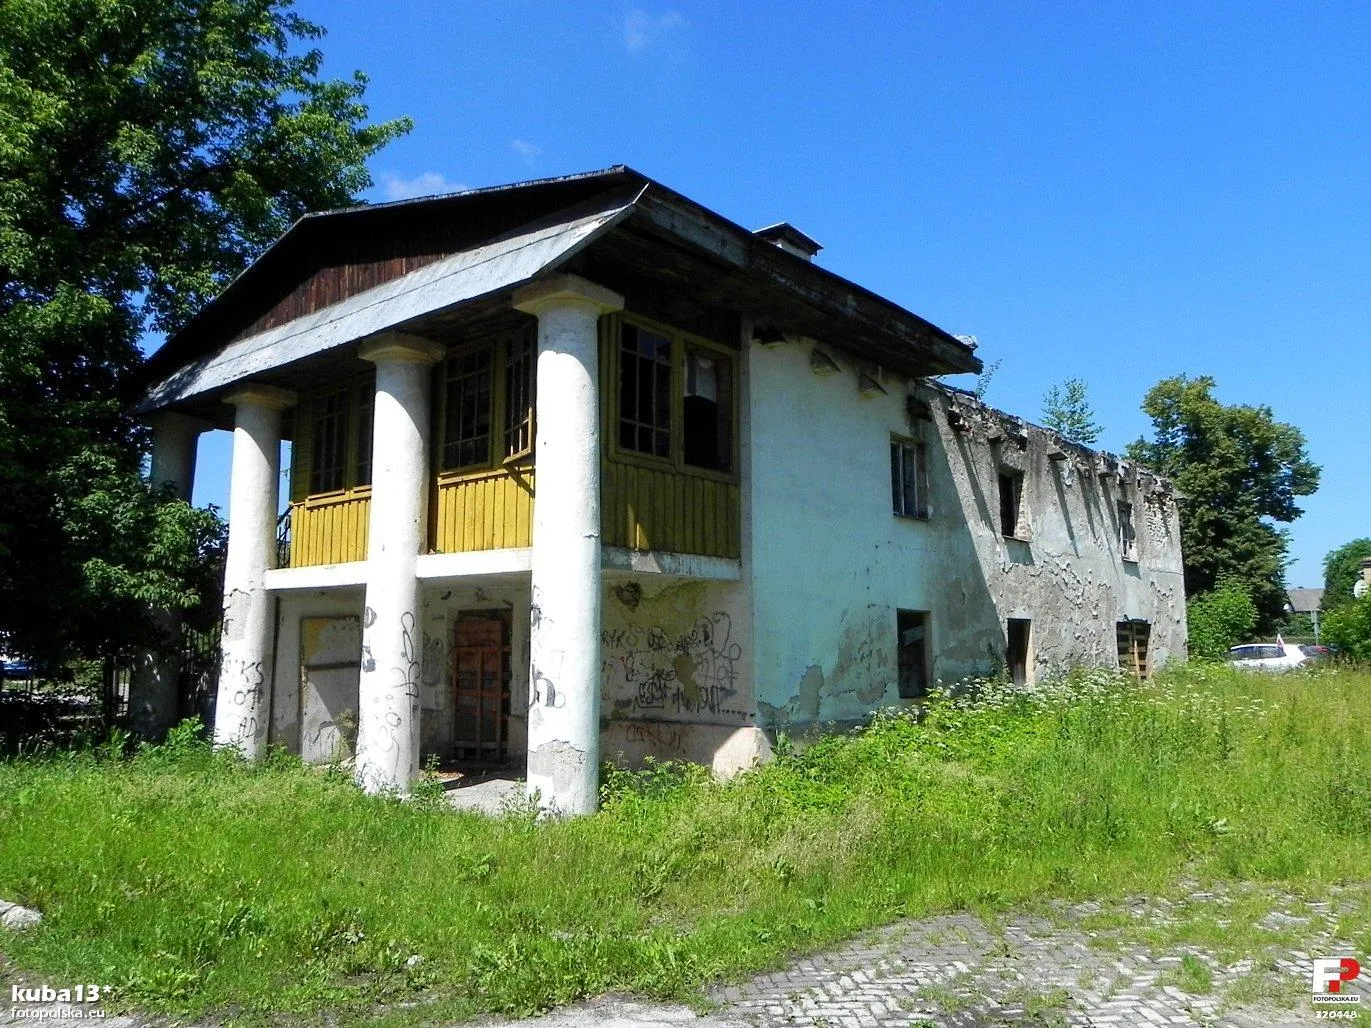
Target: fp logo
{"x":1330,"y":973}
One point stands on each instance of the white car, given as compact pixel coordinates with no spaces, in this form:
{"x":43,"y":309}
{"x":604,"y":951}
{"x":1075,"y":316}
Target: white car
{"x":1267,"y":656}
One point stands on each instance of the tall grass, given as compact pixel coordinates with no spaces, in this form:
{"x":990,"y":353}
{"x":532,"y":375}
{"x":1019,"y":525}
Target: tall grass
{"x":191,"y":882}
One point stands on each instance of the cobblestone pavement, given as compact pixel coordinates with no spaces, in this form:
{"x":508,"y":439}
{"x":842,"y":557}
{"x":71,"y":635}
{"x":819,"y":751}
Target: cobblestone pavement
{"x":959,"y":972}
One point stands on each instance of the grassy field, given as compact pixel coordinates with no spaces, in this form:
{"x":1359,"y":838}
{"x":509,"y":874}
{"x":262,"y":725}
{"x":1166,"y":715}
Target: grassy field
{"x":191,"y":882}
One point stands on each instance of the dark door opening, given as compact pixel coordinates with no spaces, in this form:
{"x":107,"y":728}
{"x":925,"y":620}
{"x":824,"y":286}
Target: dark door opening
{"x":480,"y":681}
{"x":1133,"y":641}
{"x":1016,"y":652}
{"x":911,"y":632}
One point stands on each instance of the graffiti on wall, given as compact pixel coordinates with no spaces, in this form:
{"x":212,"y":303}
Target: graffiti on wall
{"x":690,"y":671}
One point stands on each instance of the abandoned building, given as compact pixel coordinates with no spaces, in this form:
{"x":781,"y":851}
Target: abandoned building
{"x":581,"y":469}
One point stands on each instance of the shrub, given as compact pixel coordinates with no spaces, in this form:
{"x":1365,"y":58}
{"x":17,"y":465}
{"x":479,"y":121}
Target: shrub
{"x":1220,"y":619}
{"x":1349,"y":627}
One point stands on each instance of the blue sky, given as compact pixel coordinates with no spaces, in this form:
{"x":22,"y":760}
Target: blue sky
{"x":1114,"y":191}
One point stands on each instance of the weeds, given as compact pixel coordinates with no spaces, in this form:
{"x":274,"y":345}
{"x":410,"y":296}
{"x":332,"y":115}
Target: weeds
{"x":193,"y":882}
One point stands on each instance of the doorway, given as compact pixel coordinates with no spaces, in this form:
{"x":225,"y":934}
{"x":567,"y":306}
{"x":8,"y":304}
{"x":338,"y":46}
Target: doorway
{"x":480,"y":682}
{"x":1016,"y":661}
{"x":330,"y":670}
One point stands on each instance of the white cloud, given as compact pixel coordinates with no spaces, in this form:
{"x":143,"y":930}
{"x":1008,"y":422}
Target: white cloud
{"x":426,"y":183}
{"x":642,"y":30}
{"x":528,"y":151}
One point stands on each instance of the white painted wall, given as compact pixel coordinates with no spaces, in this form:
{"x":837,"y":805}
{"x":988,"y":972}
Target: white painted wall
{"x":830,"y":564}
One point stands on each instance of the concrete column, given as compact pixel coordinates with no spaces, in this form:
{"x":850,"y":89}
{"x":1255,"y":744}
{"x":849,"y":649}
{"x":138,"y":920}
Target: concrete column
{"x":388,"y":700}
{"x":564,"y":638}
{"x":175,"y":439}
{"x":153,"y":683}
{"x":244,"y":704}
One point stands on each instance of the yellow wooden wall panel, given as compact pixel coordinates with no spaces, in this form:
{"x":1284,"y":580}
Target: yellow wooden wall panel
{"x":331,"y":532}
{"x":485,"y":512}
{"x":646,"y":508}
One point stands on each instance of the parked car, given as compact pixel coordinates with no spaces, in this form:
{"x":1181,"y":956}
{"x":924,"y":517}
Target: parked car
{"x":1314,"y":652}
{"x":1267,"y":656}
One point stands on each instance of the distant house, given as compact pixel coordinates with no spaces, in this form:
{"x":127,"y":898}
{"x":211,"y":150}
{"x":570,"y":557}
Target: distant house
{"x":582,"y":468}
{"x":1305,"y":601}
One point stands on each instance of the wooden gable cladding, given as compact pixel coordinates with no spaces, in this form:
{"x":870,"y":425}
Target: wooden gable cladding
{"x":329,"y":285}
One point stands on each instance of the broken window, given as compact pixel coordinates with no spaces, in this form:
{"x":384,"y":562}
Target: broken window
{"x":911,"y":635}
{"x":328,"y":462}
{"x":1128,"y":539}
{"x":520,"y":384}
{"x":1133,"y":640}
{"x":1018,"y":632}
{"x":1011,"y":504}
{"x":909,"y":478}
{"x":707,"y":410}
{"x":366,"y":407}
{"x":467,"y":411}
{"x":645,"y":392}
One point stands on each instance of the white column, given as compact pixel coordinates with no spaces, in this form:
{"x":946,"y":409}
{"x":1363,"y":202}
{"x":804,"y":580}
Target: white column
{"x":153,"y":683}
{"x":388,"y":700}
{"x":175,"y":439}
{"x":244,"y":704}
{"x":564,"y":637}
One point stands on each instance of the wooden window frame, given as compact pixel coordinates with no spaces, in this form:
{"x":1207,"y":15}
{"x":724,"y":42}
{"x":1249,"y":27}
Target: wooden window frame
{"x":611,"y":349}
{"x":922,"y":510}
{"x":354,"y":386}
{"x":500,"y":345}
{"x":443,"y":380}
{"x":1128,"y":543}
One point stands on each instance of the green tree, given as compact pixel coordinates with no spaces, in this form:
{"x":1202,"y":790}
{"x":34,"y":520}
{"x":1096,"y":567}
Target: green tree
{"x":147,"y":151}
{"x":1067,"y":411}
{"x":1239,"y":472}
{"x":1342,"y":570}
{"x":1219,"y":620}
{"x":1349,"y":628}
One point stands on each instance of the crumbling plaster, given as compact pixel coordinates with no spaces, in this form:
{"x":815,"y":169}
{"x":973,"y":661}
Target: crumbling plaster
{"x":830,"y":563}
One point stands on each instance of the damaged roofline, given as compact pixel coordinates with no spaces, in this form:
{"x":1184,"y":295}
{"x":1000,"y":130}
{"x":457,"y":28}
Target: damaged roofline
{"x":965,"y":396}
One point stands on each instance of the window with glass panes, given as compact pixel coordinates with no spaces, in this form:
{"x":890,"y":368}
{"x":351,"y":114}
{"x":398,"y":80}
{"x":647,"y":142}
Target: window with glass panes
{"x":645,"y":392}
{"x":467,"y":411}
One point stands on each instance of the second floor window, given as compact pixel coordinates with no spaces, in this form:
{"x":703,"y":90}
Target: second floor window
{"x":467,"y":417}
{"x":645,"y":392}
{"x":707,"y":410}
{"x":329,"y":432}
{"x":1011,"y":505}
{"x":520,"y":381}
{"x":1128,"y":538}
{"x":909,"y":478}
{"x":366,"y":407}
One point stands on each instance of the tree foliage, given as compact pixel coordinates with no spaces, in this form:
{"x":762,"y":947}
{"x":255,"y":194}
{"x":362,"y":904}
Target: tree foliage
{"x":147,"y":151}
{"x":1067,"y":411}
{"x":1239,"y":470}
{"x":1348,"y":627}
{"x":1342,"y":570}
{"x":1219,"y":620}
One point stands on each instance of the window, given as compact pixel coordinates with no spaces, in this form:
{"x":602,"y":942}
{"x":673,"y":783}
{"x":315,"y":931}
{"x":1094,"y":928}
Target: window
{"x":1133,"y":639}
{"x":1018,"y":631}
{"x":467,"y":416}
{"x":707,"y":410}
{"x":909,"y":478}
{"x":911,"y":637}
{"x":645,"y":392}
{"x":366,"y":407}
{"x":328,"y":463}
{"x":520,"y":385}
{"x":1128,"y":539}
{"x":1011,"y":504}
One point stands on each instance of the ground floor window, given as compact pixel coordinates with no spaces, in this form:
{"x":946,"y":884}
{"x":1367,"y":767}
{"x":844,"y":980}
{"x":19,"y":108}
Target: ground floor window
{"x":1018,"y":634}
{"x":911,"y":633}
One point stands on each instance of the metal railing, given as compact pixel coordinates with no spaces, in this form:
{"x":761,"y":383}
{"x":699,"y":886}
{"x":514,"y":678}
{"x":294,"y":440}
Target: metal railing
{"x":283,"y":539}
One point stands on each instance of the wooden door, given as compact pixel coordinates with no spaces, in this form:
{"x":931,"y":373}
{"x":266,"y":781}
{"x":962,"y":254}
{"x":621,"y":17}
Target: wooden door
{"x":480,"y":677}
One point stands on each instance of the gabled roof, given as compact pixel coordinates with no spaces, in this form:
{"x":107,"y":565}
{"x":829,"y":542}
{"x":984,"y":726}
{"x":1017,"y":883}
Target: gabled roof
{"x":440,"y":253}
{"x":1305,"y":601}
